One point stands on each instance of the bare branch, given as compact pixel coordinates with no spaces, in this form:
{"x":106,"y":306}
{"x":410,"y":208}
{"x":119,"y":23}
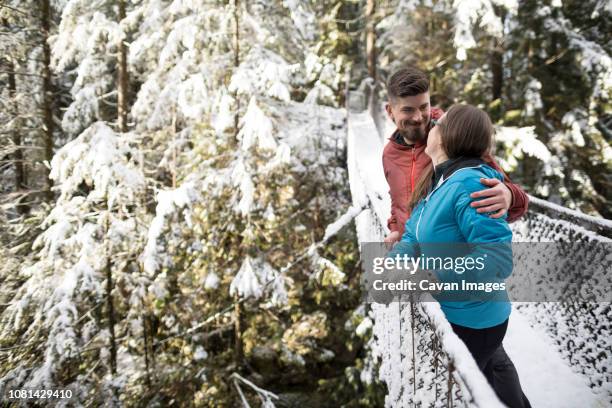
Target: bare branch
{"x":14,"y":9}
{"x":20,"y":73}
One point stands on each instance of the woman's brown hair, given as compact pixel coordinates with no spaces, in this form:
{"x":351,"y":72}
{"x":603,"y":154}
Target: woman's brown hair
{"x":466,"y":131}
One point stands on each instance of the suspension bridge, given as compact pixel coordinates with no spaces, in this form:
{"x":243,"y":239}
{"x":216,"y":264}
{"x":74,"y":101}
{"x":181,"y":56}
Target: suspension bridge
{"x":562,"y":350}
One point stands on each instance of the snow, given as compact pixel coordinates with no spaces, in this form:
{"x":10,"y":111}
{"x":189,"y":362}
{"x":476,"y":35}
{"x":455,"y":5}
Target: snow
{"x":327,"y":272}
{"x":518,"y":142}
{"x":263,"y":72}
{"x":303,"y":19}
{"x":97,"y":177}
{"x":403,"y":8}
{"x":545,"y":377}
{"x":467,"y":13}
{"x":337,"y":225}
{"x":600,"y":222}
{"x":570,"y":121}
{"x":86,"y":39}
{"x":366,"y":175}
{"x":192,"y":98}
{"x":246,"y":283}
{"x":241,"y":178}
{"x":98,"y":158}
{"x":533,"y":100}
{"x":363,"y":327}
{"x":257,"y":277}
{"x":212,"y":281}
{"x":169,"y":202}
{"x":279,"y":294}
{"x":257,"y":129}
{"x":56,"y":234}
{"x":200,"y":353}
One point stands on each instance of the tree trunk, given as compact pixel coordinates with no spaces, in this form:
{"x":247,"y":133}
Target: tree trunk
{"x":17,"y":156}
{"x":20,"y":181}
{"x":236,"y":63}
{"x":110,"y":308}
{"x":497,"y":59}
{"x":122,"y":78}
{"x":145,"y":327}
{"x":497,"y":71}
{"x":371,"y":38}
{"x":238,"y":332}
{"x":47,"y":90}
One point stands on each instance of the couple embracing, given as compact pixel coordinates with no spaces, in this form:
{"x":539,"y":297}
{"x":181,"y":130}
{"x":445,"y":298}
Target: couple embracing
{"x":446,"y":188}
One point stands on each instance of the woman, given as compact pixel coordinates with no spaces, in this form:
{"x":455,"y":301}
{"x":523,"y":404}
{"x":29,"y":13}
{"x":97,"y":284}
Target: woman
{"x":441,"y":213}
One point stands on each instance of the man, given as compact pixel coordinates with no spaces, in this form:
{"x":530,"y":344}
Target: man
{"x":404,"y":156}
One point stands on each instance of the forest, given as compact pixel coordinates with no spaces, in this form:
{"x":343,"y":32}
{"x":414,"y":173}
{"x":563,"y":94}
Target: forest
{"x":175,"y":210}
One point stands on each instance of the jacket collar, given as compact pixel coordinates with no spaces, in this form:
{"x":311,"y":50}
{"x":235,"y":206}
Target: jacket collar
{"x":446,"y":169}
{"x":397,"y":138}
{"x":400,"y":143}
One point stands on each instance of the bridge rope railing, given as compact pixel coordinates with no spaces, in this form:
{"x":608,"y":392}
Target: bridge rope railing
{"x":421,"y":359}
{"x":579,"y":327}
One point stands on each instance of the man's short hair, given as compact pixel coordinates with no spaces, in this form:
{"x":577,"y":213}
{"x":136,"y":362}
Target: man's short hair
{"x":407,"y":81}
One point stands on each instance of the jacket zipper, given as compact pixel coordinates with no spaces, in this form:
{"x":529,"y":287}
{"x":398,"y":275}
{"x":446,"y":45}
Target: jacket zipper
{"x":412,"y":171}
{"x":419,"y":222}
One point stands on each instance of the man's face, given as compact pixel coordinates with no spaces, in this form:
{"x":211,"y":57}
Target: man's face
{"x":411,"y":115}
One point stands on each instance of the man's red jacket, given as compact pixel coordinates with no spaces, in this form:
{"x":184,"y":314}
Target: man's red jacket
{"x":403,"y":165}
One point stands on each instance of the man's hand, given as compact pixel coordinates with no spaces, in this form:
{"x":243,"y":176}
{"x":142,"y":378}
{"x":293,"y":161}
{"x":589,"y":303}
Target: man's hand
{"x":497,"y":198}
{"x":392,"y":238}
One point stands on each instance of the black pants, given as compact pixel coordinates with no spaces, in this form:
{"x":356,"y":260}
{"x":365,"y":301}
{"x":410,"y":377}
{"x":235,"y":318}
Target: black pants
{"x":487,"y":349}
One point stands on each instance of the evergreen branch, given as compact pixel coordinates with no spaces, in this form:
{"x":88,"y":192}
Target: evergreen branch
{"x":207,"y":321}
{"x":14,"y":347}
{"x":319,"y":244}
{"x":21,"y":73}
{"x":13,"y":9}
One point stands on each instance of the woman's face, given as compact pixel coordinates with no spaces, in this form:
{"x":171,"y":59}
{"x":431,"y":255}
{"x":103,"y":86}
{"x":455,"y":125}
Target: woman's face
{"x":434,"y":140}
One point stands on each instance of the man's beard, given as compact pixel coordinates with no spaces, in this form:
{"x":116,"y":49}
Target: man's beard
{"x":413,"y":134}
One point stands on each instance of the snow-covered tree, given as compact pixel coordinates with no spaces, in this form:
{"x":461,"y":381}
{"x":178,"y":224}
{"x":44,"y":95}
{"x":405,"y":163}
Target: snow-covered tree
{"x":86,"y":49}
{"x":84,"y":275}
{"x":169,"y":238}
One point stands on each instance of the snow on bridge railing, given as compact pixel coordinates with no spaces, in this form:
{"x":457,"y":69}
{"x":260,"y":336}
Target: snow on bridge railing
{"x":580,"y":329}
{"x":596,"y":229}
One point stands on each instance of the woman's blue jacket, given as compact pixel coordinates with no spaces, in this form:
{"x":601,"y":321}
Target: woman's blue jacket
{"x":445,"y":217}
